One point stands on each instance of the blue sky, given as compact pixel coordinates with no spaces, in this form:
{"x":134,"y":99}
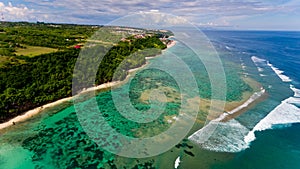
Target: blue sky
{"x":230,"y":14}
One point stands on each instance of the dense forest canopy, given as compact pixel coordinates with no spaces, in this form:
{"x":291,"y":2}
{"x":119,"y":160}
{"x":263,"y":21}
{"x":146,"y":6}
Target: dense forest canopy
{"x":27,"y":82}
{"x":37,"y":61}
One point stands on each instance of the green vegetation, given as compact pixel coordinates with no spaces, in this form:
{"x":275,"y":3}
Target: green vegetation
{"x":118,"y":53}
{"x":33,"y":51}
{"x":27,"y":82}
{"x":30,"y":39}
{"x":45,"y":35}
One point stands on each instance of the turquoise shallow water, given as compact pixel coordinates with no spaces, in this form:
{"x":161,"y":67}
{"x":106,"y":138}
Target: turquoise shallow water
{"x":278,"y":146}
{"x":55,"y":138}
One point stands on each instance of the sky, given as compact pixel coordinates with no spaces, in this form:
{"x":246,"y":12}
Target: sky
{"x":218,"y":14}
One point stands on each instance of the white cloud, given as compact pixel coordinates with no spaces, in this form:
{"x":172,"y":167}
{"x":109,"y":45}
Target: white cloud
{"x":207,"y":12}
{"x":11,"y":12}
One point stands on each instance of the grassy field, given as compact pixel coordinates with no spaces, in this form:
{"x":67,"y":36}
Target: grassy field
{"x":3,"y":60}
{"x":11,"y":60}
{"x":32,"y":51}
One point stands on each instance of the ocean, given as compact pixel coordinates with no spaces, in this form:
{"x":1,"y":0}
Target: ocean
{"x":264,"y":136}
{"x":272,"y":126}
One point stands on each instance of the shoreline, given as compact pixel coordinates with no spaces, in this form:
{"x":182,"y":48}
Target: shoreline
{"x":228,"y":115}
{"x":237,"y":108}
{"x":234,"y":111}
{"x":252,"y":98}
{"x":173,"y":43}
{"x":33,"y":112}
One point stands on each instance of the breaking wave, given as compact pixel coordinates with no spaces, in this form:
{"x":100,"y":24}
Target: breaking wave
{"x":285,"y":113}
{"x":228,"y":137}
{"x":232,"y":136}
{"x":228,"y":48}
{"x":296,"y":91}
{"x":258,"y":61}
{"x":288,"y":112}
{"x":279,"y":72}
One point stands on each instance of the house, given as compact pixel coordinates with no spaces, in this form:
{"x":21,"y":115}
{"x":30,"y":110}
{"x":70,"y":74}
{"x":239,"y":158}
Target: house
{"x":77,"y":46}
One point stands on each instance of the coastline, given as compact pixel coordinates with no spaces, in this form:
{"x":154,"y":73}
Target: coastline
{"x":31,"y":113}
{"x":233,"y":109}
{"x":236,"y":108}
{"x":229,"y":115}
{"x":250,"y":99}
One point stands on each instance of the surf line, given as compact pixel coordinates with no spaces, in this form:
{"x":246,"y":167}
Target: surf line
{"x":196,"y":137}
{"x":252,"y":98}
{"x":285,"y":113}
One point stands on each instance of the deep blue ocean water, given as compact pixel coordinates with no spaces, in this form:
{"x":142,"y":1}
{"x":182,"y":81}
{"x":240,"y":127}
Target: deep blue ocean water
{"x":277,"y":147}
{"x":55,"y":138}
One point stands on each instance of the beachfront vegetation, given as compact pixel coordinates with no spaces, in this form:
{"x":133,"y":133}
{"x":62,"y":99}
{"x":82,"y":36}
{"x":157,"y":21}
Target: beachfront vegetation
{"x":37,"y":62}
{"x":27,"y":81}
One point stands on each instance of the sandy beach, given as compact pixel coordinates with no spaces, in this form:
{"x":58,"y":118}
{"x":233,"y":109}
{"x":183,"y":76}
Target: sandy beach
{"x":233,"y":113}
{"x":35,"y":111}
{"x":250,"y":99}
{"x":235,"y":108}
{"x":173,"y":43}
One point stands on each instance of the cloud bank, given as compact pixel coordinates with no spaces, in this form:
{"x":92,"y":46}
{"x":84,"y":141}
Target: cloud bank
{"x":201,"y":12}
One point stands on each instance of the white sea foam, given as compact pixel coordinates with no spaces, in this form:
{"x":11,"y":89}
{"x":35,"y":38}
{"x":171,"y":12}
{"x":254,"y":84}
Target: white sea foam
{"x":296,"y":91}
{"x":256,"y":59}
{"x":294,"y":100}
{"x":252,"y":98}
{"x":228,"y":137}
{"x":228,"y":48}
{"x":285,"y":113}
{"x":177,"y":162}
{"x":255,"y":96}
{"x":245,"y":74}
{"x":279,"y":72}
{"x":262,"y":75}
{"x":225,"y":136}
{"x":243,"y":66}
{"x":232,"y":136}
{"x":260,"y":69}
